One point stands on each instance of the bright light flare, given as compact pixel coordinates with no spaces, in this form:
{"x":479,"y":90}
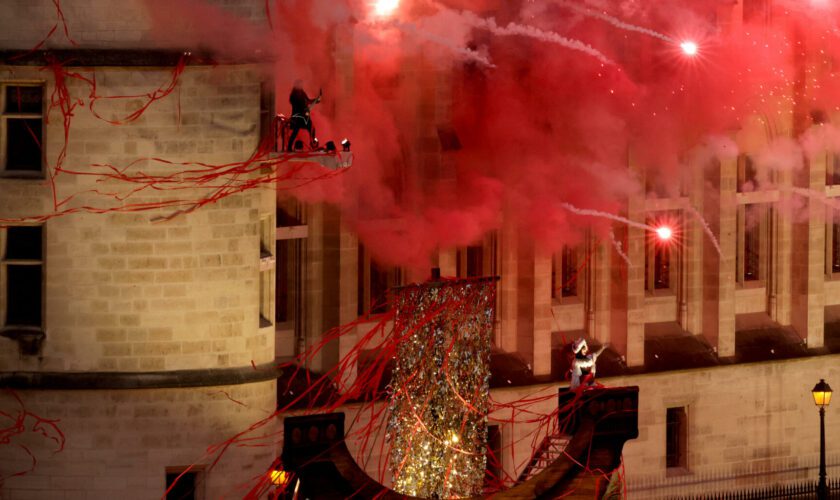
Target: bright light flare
{"x":384,"y":8}
{"x":664,"y":233}
{"x":689,"y":48}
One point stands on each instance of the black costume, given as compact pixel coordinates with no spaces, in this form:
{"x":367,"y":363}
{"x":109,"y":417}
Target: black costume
{"x":300,"y":118}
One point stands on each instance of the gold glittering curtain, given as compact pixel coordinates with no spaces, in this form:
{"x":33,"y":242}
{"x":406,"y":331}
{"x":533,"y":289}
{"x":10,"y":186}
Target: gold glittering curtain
{"x":437,"y":426}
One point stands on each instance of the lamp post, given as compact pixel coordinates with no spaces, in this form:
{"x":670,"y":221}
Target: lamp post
{"x":822,"y":398}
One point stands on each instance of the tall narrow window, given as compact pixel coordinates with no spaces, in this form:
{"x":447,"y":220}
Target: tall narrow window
{"x":676,"y":438}
{"x":565,"y":273}
{"x":658,"y":258}
{"x":751,"y":230}
{"x":832,"y":242}
{"x":832,"y":170}
{"x":470,"y":263}
{"x":23,"y":260}
{"x":374,"y":281}
{"x":747,"y":174}
{"x":21,"y":123}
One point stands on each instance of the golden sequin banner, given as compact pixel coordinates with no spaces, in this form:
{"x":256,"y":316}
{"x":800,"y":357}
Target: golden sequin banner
{"x":437,"y":425}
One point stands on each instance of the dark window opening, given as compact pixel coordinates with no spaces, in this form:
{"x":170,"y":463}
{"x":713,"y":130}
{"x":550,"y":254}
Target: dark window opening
{"x":24,"y":99}
{"x":374,"y":281}
{"x":493,"y":470}
{"x":378,"y":288}
{"x":676,"y":438}
{"x":23,"y":261}
{"x":23,"y":115}
{"x":657,"y":277}
{"x":24,"y":242}
{"x":183,"y":487}
{"x":832,"y":172}
{"x":23,"y":144}
{"x":23,"y":295}
{"x":752,"y":243}
{"x":747,"y":174}
{"x":835,"y":247}
{"x":662,"y":267}
{"x":475,"y":261}
{"x":569,"y":273}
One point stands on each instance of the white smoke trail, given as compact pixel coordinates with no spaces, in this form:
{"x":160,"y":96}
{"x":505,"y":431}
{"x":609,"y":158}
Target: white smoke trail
{"x":464,"y":52}
{"x":618,"y":23}
{"x":618,"y":249}
{"x":706,"y":228}
{"x":515,"y":29}
{"x":605,"y":215}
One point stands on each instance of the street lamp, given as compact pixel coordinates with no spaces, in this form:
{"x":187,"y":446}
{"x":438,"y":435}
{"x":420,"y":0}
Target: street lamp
{"x":822,"y":398}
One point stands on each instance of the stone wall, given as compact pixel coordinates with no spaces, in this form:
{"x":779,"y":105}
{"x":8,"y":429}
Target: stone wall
{"x":120,"y":443}
{"x":127,"y":291}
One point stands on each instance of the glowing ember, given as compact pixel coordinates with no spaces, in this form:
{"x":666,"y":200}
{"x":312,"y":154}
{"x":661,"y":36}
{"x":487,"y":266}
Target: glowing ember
{"x":384,"y":8}
{"x":689,"y":48}
{"x":664,"y":233}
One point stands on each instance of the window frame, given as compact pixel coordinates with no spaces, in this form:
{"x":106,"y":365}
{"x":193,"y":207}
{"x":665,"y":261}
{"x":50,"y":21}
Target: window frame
{"x":569,"y":257}
{"x":366,"y":267}
{"x":653,"y":247}
{"x":681,"y":464}
{"x":4,"y":117}
{"x":199,"y":491}
{"x":741,"y":241}
{"x":4,"y":279}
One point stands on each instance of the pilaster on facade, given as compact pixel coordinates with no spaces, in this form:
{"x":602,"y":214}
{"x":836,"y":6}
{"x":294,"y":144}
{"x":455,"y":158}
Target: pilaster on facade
{"x":542,"y":315}
{"x":636,"y":281}
{"x":693,"y":242}
{"x":808,"y":255}
{"x":322,"y":285}
{"x":720,"y":212}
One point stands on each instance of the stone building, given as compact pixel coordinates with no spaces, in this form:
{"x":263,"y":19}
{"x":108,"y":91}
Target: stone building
{"x":137,"y":333}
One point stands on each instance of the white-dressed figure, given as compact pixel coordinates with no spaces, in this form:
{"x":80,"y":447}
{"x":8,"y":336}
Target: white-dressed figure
{"x":583,"y":364}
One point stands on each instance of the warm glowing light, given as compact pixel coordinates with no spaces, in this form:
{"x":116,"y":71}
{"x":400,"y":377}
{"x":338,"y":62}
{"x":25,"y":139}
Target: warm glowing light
{"x":664,"y":233}
{"x":689,"y":48}
{"x":384,"y":8}
{"x":822,"y":394}
{"x":278,"y":477}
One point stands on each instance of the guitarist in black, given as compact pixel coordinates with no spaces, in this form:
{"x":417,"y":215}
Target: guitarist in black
{"x":300,"y":119}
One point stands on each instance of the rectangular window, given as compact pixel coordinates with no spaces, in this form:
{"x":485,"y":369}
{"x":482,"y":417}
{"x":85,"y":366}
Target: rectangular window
{"x":23,"y":261}
{"x":21,"y":123}
{"x":832,"y":242}
{"x":187,"y":485}
{"x":470,"y":263}
{"x":747,"y":174}
{"x":565,"y":270}
{"x":676,"y":438}
{"x":752,"y":226}
{"x":659,"y":260}
{"x":374,"y":281}
{"x":832,"y":170}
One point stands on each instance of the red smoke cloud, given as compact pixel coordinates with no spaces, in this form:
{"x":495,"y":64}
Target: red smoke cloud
{"x":460,"y":110}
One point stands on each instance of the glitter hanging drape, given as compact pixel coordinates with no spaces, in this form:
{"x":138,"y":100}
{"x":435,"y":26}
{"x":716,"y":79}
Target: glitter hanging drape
{"x":439,"y":392}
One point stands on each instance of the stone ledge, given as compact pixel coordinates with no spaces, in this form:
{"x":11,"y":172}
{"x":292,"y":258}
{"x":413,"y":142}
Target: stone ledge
{"x":139,"y":380}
